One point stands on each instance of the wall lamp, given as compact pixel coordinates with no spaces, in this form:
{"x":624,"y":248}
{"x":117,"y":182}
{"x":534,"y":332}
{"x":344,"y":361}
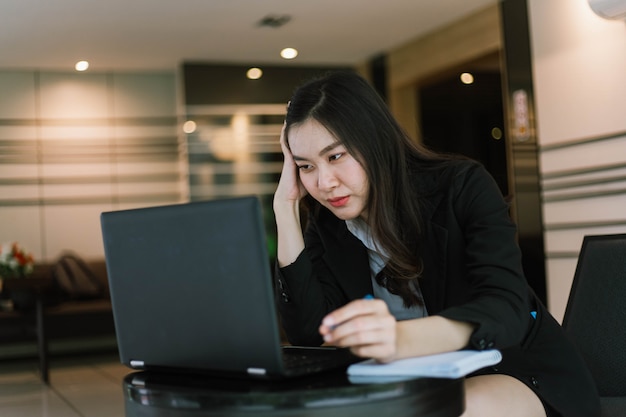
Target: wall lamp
{"x":609,"y":9}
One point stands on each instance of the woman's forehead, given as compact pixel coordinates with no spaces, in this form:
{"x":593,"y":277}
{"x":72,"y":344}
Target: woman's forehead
{"x":310,"y":134}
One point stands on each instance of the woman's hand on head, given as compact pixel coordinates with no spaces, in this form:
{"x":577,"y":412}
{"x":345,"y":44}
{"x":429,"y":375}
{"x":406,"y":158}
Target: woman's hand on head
{"x":364,"y":326}
{"x":290,"y":189}
{"x":287,"y":208}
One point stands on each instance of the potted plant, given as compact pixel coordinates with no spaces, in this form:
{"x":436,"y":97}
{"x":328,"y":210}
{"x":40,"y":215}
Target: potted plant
{"x":16,"y":262}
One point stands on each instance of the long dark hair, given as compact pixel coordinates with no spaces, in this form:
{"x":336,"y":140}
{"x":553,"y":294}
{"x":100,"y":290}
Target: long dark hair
{"x":346,"y":105}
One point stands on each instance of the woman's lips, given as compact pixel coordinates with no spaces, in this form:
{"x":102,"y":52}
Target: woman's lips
{"x":339,"y":201}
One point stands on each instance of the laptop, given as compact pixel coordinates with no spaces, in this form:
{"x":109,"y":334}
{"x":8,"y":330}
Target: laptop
{"x":191,"y":290}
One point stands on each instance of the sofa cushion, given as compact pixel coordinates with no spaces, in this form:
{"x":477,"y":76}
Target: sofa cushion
{"x":75,"y":279}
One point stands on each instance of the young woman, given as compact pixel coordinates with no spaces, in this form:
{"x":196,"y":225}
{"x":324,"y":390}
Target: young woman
{"x":429,"y":236}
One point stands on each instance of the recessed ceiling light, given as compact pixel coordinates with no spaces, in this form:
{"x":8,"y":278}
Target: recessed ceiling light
{"x":254,"y":73}
{"x":81,"y":66}
{"x":467,"y":78}
{"x":289,"y":53}
{"x":189,"y":126}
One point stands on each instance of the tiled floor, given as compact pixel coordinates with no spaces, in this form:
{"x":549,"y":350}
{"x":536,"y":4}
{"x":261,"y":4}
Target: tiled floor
{"x":85,"y":386}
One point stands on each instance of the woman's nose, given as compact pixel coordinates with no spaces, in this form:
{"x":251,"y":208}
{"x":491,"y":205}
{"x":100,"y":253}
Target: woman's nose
{"x":327,"y":180}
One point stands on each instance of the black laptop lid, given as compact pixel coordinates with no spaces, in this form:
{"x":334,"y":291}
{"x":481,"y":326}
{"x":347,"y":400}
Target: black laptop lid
{"x":191,"y":287}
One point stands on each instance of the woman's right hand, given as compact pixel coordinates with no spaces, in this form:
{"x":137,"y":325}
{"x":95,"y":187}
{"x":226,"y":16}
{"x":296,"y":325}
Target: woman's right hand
{"x":287,"y":208}
{"x":290,"y":189}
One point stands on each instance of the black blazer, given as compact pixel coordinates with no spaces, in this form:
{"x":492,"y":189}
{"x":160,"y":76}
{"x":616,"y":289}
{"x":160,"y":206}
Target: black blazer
{"x":472,"y":273}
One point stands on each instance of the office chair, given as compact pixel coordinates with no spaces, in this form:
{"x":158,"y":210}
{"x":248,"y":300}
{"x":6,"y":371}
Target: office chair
{"x":595,"y":316}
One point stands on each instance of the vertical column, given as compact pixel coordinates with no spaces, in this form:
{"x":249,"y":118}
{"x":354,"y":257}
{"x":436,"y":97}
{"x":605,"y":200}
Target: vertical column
{"x":522,"y":145}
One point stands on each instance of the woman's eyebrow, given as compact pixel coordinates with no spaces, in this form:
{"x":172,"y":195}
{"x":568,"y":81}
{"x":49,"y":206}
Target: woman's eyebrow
{"x":329,"y":148}
{"x":324,"y":151}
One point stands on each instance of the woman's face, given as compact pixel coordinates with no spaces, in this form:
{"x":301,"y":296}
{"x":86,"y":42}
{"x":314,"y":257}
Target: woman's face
{"x":327,"y":171}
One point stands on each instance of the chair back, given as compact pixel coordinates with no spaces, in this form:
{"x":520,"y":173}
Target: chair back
{"x":595,"y":316}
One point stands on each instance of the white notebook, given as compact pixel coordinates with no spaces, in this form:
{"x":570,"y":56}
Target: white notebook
{"x":442,"y":365}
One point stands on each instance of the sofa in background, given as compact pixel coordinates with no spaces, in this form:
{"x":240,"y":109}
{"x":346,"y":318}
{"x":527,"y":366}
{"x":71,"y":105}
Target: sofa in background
{"x":66,"y":318}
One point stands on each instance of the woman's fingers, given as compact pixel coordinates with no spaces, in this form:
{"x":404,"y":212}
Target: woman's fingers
{"x":351,"y":310}
{"x":364,"y":326}
{"x":289,"y":187}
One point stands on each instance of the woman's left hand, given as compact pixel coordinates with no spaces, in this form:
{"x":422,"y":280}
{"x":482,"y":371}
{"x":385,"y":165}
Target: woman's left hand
{"x":364,"y":326}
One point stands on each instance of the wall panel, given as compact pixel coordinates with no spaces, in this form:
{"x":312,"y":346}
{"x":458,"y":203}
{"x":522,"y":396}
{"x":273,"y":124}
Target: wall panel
{"x":17,"y":101}
{"x":578,"y":66}
{"x":584,"y":193}
{"x":82,"y":144}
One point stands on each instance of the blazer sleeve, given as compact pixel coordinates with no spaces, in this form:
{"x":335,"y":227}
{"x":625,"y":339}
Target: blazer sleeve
{"x":484,"y":262}
{"x":300,"y":314}
{"x":307,"y":290}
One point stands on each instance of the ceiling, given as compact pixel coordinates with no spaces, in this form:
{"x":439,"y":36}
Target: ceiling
{"x":160,"y":34}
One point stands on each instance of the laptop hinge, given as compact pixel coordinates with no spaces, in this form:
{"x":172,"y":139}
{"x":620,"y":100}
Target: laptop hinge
{"x":256,"y":371}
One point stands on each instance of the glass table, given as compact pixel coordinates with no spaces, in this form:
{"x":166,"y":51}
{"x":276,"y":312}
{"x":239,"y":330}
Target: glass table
{"x":150,"y":394}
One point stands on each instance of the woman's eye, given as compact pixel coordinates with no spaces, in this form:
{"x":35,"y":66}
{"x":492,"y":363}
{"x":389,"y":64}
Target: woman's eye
{"x":305,"y":167}
{"x":335,"y":156}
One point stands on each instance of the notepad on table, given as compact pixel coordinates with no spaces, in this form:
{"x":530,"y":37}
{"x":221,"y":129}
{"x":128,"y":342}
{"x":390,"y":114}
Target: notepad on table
{"x":441,"y":365}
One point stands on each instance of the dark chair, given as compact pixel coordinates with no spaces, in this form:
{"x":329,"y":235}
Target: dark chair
{"x":595,"y":316}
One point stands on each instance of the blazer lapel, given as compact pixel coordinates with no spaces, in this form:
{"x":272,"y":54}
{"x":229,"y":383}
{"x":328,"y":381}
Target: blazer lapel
{"x":434,"y":242}
{"x":432,"y":282}
{"x":347,"y":259}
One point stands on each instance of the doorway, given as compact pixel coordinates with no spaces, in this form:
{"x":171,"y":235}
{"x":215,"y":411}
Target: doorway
{"x":462,"y":113}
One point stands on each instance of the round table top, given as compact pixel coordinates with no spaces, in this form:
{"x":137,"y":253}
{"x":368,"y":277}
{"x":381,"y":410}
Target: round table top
{"x":180,"y":395}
